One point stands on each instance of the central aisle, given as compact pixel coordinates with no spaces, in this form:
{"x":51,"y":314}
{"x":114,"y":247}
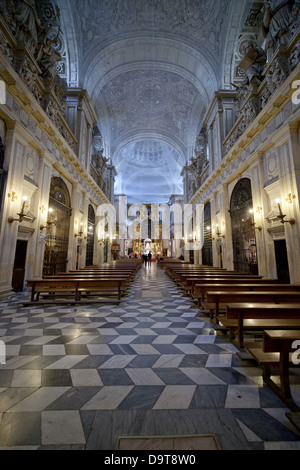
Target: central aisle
{"x":79,"y":377}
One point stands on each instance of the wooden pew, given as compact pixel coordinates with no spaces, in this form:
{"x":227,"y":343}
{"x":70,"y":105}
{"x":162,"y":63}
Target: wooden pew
{"x":194,"y":281}
{"x":201,"y":287}
{"x":76,"y":286}
{"x":181,"y":277}
{"x":91,"y":277}
{"x":219,"y":299}
{"x":242,"y":317}
{"x":176,"y":275}
{"x":190,"y":282}
{"x":277,"y":351}
{"x":201,"y":290}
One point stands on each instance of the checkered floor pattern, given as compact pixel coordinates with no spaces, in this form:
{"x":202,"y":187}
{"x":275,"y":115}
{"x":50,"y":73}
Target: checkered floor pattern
{"x":80,"y":376}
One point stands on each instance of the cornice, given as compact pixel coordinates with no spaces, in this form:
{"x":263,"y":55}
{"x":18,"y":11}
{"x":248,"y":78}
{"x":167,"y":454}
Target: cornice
{"x":20,"y":93}
{"x":279,"y":101}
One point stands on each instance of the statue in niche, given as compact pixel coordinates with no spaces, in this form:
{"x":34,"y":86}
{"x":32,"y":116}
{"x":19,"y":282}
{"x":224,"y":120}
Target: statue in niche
{"x":196,"y":168}
{"x":253,"y":62}
{"x":281,"y":17}
{"x":27,"y":25}
{"x":100,"y":163}
{"x":48,"y":56}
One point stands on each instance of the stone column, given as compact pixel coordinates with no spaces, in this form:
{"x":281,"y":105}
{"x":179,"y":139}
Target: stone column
{"x":228,"y":260}
{"x":82,"y":244}
{"x":14,"y":163}
{"x":263,"y":239}
{"x":289,"y":173}
{"x":72,"y":247}
{"x":41,"y":205}
{"x":215,"y":247}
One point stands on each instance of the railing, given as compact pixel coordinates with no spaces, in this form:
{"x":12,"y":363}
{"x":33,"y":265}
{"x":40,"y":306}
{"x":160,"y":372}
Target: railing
{"x":254,"y":97}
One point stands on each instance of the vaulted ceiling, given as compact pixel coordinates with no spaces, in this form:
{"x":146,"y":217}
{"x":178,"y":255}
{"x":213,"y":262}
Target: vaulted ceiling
{"x":151,"y":68}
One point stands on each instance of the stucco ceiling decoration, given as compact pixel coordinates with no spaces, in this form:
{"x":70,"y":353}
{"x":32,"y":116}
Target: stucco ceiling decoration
{"x":155,"y":101}
{"x":197,"y":20}
{"x":151,"y":68}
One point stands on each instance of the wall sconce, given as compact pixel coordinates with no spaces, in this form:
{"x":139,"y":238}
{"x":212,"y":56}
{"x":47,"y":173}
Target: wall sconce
{"x":80,"y":233}
{"x":281,"y":216}
{"x":252,"y":219}
{"x":48,"y":223}
{"x":13,"y":196}
{"x":89,"y":232}
{"x":21,"y":214}
{"x":289,"y":198}
{"x":218,"y":232}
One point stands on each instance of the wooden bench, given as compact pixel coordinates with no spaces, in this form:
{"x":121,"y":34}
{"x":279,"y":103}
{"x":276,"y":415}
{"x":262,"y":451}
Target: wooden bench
{"x":176,"y":275}
{"x":278,"y":351}
{"x":189,"y":283}
{"x":219,"y":299}
{"x":76,"y":286}
{"x":200,"y":290}
{"x":242,"y":317}
{"x":213,"y":280}
{"x":87,"y":275}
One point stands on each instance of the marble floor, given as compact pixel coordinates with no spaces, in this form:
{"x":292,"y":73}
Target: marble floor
{"x":81,"y":376}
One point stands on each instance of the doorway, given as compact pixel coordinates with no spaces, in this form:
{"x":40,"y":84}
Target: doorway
{"x":19,"y":266}
{"x":282,"y":263}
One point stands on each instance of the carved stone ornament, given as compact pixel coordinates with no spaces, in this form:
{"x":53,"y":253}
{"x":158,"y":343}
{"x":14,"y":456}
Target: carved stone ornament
{"x":281,"y":19}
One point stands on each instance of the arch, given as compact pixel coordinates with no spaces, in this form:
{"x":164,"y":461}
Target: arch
{"x":236,"y":25}
{"x":58,"y":228}
{"x":68,"y":28}
{"x":170,"y":55}
{"x":59,"y":192}
{"x":243,"y":232}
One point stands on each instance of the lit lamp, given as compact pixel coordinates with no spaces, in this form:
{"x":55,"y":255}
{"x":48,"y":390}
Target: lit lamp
{"x":80,"y":233}
{"x":42,"y":208}
{"x":48,"y":223}
{"x":21,"y":214}
{"x":281,"y":216}
{"x":252,"y":221}
{"x":218,"y":232}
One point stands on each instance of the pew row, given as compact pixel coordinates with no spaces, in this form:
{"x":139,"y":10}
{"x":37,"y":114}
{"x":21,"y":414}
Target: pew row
{"x":77,"y":287}
{"x":242,"y":317}
{"x":217,"y":300}
{"x":279,"y":352}
{"x":200,"y":292}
